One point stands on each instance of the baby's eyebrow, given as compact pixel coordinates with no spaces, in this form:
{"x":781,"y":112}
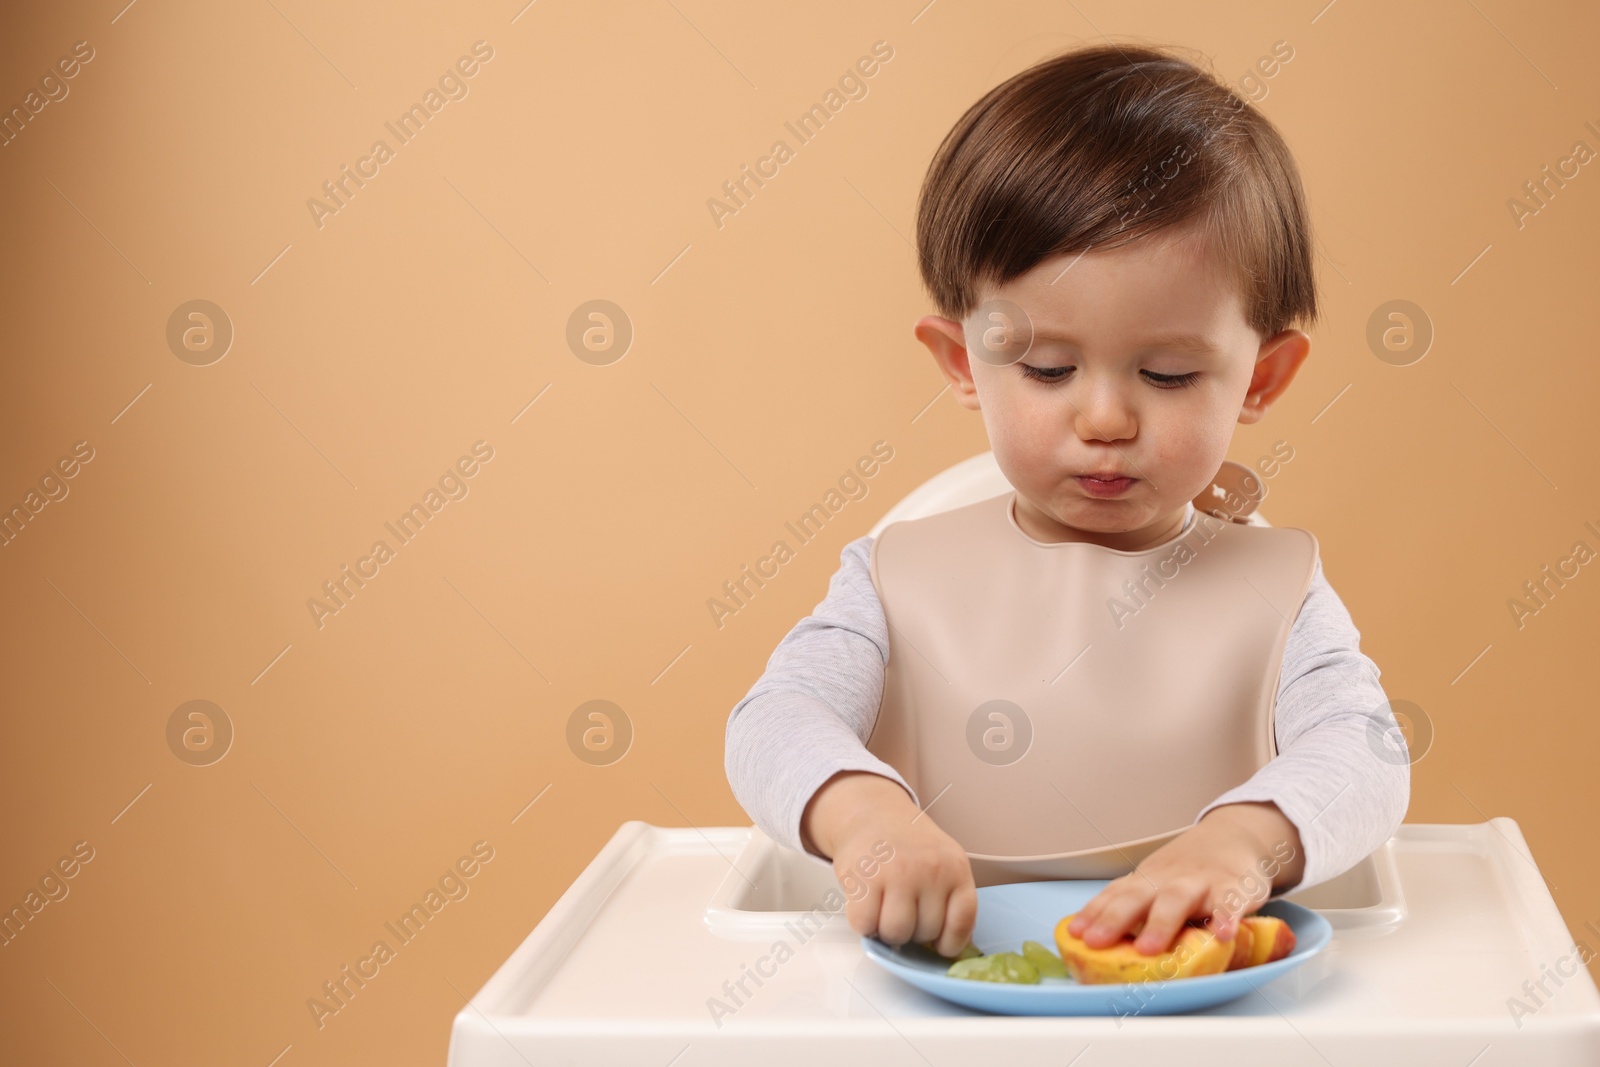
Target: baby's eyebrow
{"x":1194,"y":342}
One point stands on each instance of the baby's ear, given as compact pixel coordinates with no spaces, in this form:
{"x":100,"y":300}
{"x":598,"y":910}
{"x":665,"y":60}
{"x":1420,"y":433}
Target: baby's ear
{"x":1277,"y":362}
{"x":947,"y":343}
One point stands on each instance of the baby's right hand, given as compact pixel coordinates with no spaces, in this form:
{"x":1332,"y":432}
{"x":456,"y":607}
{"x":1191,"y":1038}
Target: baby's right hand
{"x":905,"y":877}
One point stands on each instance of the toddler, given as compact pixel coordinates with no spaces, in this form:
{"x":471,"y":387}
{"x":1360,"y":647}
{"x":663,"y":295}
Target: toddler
{"x":1118,"y":247}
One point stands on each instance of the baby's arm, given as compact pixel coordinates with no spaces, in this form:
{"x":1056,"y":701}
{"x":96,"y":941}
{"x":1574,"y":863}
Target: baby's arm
{"x":1333,"y":794}
{"x":808,"y":717}
{"x":1344,"y":790}
{"x":797,"y":761}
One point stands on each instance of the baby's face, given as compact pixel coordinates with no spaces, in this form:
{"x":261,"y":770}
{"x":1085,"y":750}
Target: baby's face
{"x":1109,"y":385}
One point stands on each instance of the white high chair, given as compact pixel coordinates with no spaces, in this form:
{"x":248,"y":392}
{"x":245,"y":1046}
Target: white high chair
{"x":1441,"y":940}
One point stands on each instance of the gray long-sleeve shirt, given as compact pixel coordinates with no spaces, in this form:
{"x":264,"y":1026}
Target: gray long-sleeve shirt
{"x":1342,"y":774}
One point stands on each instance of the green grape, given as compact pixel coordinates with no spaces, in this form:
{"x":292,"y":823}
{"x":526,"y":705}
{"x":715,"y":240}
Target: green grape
{"x":1047,"y":963}
{"x":976,"y":968}
{"x":970,"y":952}
{"x":1017,"y":968}
{"x":1000,"y":967}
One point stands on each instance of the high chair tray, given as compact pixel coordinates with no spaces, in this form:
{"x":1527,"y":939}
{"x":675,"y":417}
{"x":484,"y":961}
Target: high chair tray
{"x":1440,"y":944}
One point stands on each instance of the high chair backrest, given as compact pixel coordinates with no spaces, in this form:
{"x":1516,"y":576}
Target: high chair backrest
{"x":973,"y":479}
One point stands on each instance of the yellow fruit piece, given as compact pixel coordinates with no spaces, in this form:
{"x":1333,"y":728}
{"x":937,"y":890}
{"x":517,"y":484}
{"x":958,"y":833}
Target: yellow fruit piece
{"x":1244,"y":939}
{"x":1273,"y":939}
{"x":1195,"y":952}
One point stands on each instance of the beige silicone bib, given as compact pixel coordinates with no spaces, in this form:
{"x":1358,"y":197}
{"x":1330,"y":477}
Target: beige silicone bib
{"x":1062,"y":710}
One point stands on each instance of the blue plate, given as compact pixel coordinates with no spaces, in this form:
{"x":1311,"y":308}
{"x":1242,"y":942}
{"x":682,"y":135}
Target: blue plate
{"x":1010,"y":914}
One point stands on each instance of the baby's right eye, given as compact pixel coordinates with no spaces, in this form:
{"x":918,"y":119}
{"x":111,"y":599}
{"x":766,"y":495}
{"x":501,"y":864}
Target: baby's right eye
{"x":1044,"y":374}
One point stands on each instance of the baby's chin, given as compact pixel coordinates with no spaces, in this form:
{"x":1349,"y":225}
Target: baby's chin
{"x":1103,"y":516}
{"x":1069,"y":505}
{"x":1114,"y":516}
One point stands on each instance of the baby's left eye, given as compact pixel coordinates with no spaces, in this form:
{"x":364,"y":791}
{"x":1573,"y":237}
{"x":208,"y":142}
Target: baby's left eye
{"x":1173,"y":381}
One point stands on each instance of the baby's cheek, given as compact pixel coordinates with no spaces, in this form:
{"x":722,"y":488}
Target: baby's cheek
{"x":1017,"y":432}
{"x":1015,"y":454}
{"x":1196,"y":445}
{"x":1043,"y":447}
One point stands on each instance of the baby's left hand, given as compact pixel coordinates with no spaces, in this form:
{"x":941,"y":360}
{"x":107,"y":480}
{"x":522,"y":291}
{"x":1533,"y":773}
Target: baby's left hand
{"x":1221,"y":868}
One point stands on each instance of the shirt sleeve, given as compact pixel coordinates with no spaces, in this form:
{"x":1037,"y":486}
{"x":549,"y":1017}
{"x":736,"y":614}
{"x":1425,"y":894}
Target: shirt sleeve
{"x":1342,"y":775}
{"x":809,"y":716}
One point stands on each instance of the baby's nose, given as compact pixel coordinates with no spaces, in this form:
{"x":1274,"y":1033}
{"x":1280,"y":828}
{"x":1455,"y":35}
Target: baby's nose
{"x":1103,"y":414}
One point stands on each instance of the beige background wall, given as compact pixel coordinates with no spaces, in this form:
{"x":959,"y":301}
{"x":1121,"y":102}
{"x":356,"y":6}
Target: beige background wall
{"x":371,"y":352}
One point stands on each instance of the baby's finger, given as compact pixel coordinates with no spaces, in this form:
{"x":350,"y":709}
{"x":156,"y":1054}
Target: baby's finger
{"x":1097,"y":904}
{"x":960,"y":916}
{"x":1080,"y":922}
{"x":1120,"y":912}
{"x":932,"y":904}
{"x":1172,"y":908}
{"x":1225,"y":919}
{"x":897,"y":918}
{"x":863,"y":913}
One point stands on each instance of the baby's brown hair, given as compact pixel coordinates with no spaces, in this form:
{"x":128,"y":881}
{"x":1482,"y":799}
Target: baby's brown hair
{"x":1100,"y":146}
